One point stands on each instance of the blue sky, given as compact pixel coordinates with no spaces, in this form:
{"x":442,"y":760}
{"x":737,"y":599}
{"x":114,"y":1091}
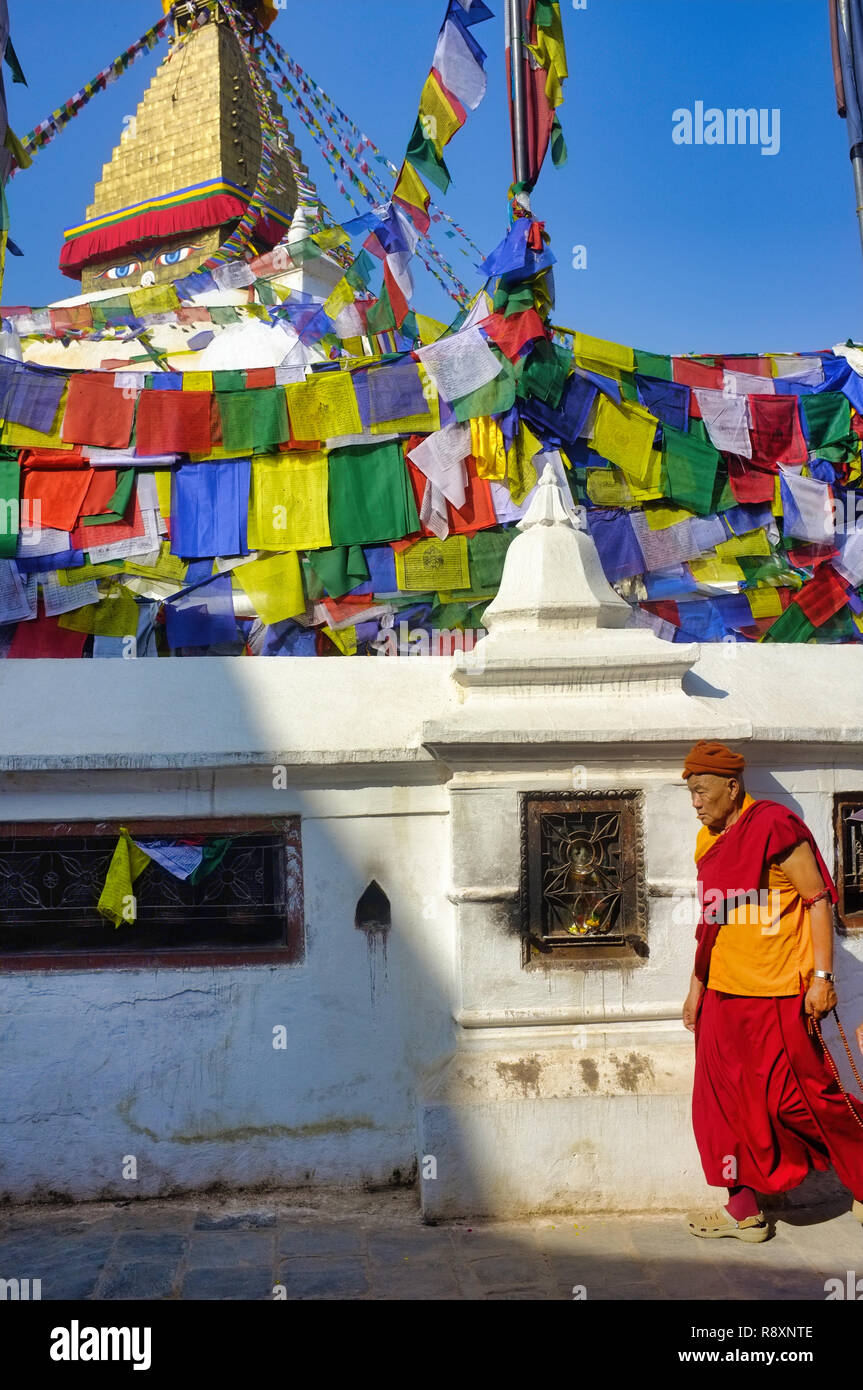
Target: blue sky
{"x":689,"y":248}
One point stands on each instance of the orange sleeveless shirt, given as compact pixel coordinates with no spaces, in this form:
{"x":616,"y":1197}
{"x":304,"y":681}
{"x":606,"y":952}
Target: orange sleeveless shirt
{"x":764,"y":948}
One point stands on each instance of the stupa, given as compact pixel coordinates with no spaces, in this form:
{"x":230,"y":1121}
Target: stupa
{"x":187,"y":163}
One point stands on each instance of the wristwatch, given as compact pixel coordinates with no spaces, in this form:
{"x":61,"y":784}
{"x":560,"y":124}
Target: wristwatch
{"x":825,"y":975}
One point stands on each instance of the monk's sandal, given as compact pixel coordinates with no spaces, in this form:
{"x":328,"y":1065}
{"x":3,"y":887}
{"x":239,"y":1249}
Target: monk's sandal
{"x":718,"y":1223}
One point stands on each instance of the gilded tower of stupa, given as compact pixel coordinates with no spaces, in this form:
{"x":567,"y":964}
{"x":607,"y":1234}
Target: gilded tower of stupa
{"x":181,"y":177}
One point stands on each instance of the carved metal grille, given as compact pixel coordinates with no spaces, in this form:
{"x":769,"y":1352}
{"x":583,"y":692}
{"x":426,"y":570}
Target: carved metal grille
{"x":51,"y":878}
{"x":582,"y":873}
{"x":849,"y":857}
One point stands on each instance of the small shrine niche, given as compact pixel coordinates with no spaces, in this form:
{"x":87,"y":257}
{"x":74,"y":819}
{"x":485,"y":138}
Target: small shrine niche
{"x":583,"y":889}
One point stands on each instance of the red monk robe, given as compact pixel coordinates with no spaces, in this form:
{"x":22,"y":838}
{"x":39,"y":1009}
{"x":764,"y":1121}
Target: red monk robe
{"x":765,"y":1107}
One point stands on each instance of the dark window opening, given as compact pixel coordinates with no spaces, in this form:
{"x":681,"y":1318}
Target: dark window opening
{"x":248,"y":907}
{"x":849,"y":857}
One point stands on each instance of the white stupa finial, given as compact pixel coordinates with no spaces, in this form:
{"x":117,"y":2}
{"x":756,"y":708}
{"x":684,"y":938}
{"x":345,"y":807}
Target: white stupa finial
{"x":548,"y":507}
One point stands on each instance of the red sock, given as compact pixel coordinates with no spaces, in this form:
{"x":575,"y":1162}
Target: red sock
{"x":742,"y":1203}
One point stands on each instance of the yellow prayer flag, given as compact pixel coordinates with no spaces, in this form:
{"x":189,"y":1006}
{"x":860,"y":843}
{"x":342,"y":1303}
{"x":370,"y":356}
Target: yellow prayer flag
{"x":650,"y":488}
{"x":776,"y":508}
{"x":303,"y":411}
{"x":345,"y":638}
{"x":116,"y":615}
{"x":289,"y":502}
{"x":275,"y":586}
{"x":154,"y":299}
{"x":438,"y":118}
{"x":601,"y":356}
{"x":338,"y":411}
{"x":666,"y":514}
{"x":764,"y":602}
{"x":163,"y":491}
{"x":117,"y":901}
{"x":339,"y":299}
{"x":488,"y":448}
{"x":84,"y":573}
{"x":716,"y":571}
{"x":431,"y":565}
{"x":607,"y":487}
{"x":411,"y":189}
{"x":168,"y":566}
{"x":751,"y":543}
{"x":624,"y":434}
{"x":521,"y":476}
{"x":197,"y":381}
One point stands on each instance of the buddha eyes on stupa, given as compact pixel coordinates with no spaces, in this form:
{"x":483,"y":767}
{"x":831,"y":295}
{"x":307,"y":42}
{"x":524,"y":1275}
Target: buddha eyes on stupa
{"x":120,"y":272}
{"x":181,"y":253}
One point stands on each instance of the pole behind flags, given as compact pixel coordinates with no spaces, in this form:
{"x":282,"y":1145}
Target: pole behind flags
{"x":536,"y":70}
{"x":846,"y":35}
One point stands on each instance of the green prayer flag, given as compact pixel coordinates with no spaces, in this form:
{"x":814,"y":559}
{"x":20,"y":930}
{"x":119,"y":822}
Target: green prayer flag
{"x":339,"y":569}
{"x":423,"y":155}
{"x":791,"y":626}
{"x":118,"y":502}
{"x":627,"y":387}
{"x":236,"y":410}
{"x":545,"y":371}
{"x":828,"y":418}
{"x":229,"y":381}
{"x":214,"y":853}
{"x":370,"y":495}
{"x":109,"y":312}
{"x":486,"y":554}
{"x":380,"y":317}
{"x":496,"y":397}
{"x":224,"y":314}
{"x":270,"y":423}
{"x":359,"y":273}
{"x":648,"y":364}
{"x":10,"y":510}
{"x":559,"y":152}
{"x":690,"y":468}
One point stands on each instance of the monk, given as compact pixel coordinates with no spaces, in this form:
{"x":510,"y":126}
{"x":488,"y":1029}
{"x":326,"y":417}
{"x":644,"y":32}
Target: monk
{"x":765,"y":1106}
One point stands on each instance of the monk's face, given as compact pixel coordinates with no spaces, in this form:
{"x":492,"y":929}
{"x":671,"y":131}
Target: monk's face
{"x":715,"y":799}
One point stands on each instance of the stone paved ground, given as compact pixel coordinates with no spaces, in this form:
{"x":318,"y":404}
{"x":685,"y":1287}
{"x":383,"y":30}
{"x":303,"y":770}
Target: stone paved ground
{"x":373,"y":1246}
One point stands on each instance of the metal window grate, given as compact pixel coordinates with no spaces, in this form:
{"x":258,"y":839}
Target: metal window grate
{"x":51,"y":878}
{"x":582,"y":873}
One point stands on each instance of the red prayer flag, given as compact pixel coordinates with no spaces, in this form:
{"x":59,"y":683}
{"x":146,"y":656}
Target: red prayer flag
{"x":823,"y":596}
{"x":98,"y":413}
{"x":103,"y":485}
{"x":174,"y":422}
{"x":52,"y":458}
{"x":85,"y":536}
{"x":43,"y":637}
{"x":748,"y":483}
{"x":775,"y":430}
{"x":260,"y":378}
{"x":755,"y":366}
{"x":478,"y":512}
{"x":512,"y":333}
{"x":59,"y":494}
{"x":689,"y":373}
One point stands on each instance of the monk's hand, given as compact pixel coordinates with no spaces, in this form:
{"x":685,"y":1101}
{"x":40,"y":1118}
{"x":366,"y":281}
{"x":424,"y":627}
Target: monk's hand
{"x":860,"y":1037}
{"x":690,"y":1009}
{"x":821,"y":998}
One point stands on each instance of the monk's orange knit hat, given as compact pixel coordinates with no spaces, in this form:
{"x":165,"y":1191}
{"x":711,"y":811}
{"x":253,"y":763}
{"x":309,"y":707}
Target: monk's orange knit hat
{"x":709,"y":756}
